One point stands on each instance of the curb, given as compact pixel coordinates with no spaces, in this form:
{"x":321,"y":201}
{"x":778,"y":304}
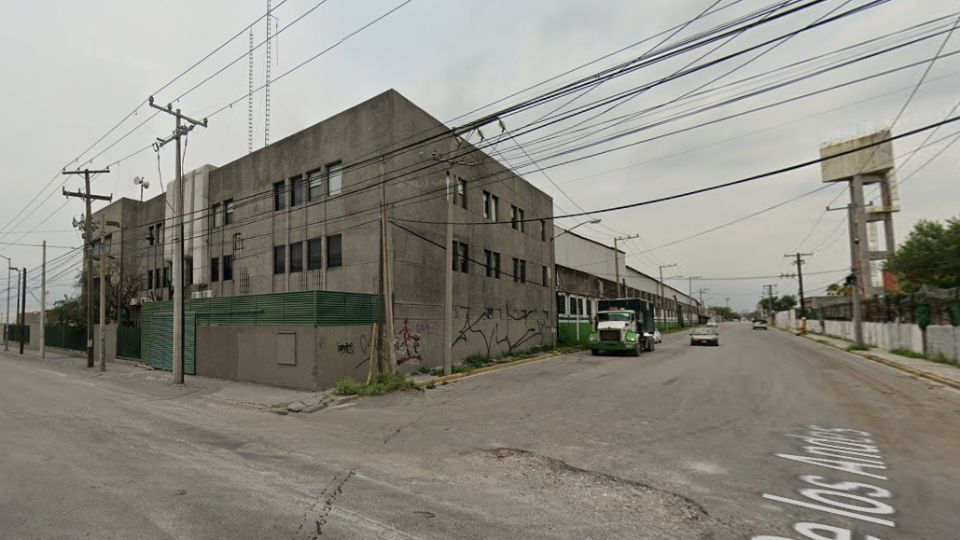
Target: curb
{"x":488,"y":369}
{"x":897,"y":365}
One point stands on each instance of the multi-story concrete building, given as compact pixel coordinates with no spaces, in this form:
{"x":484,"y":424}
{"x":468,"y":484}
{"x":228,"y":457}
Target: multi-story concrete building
{"x":304,"y":213}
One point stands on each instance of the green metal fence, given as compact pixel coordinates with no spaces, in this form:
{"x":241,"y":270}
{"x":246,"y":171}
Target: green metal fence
{"x":307,"y":308}
{"x":128,"y":342}
{"x":14,"y":331}
{"x":66,"y":337}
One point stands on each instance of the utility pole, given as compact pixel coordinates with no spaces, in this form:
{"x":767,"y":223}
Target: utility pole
{"x":6,"y":323}
{"x":387,"y":343}
{"x":17,"y":313}
{"x":662,"y":289}
{"x":616,"y":259}
{"x":855,"y":207}
{"x":799,"y":262}
{"x":178,"y":280}
{"x":23,"y":309}
{"x":690,"y":292}
{"x":700,"y":292}
{"x":43,"y":303}
{"x":768,"y":292}
{"x":448,"y":288}
{"x":87,"y":251}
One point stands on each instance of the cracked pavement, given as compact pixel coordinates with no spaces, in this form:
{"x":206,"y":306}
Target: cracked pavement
{"x":678,"y":443}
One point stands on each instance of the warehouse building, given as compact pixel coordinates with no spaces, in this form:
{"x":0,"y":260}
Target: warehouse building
{"x":304,"y":215}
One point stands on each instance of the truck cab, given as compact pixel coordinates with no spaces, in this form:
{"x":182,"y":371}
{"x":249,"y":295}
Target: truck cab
{"x":619,"y":329}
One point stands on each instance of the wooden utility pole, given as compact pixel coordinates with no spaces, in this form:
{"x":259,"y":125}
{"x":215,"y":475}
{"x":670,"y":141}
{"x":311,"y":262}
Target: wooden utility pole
{"x":6,"y":325}
{"x":663,"y":292}
{"x":387,"y":343}
{"x":799,"y":262}
{"x":853,"y":209}
{"x":87,"y":251}
{"x":43,"y":304}
{"x":178,"y":280}
{"x":23,"y":310}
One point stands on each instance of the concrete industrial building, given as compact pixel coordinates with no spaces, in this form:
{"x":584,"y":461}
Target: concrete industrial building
{"x":586,"y":272}
{"x":304,"y":213}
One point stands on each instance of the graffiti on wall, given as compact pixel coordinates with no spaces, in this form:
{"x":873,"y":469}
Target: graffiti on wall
{"x":407,"y":343}
{"x":345,"y":348}
{"x":473,"y":327}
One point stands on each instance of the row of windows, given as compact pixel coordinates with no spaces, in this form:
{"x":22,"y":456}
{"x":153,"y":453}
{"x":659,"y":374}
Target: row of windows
{"x":155,"y":235}
{"x":157,"y":279}
{"x":575,"y":305}
{"x":314,"y":255}
{"x":491,"y":206}
{"x":461,"y":263}
{"x":215,"y":268}
{"x":221,"y":214}
{"x":310,"y":186}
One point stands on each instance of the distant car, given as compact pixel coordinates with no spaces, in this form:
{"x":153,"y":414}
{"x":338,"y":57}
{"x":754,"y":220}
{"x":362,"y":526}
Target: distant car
{"x":759,"y":324}
{"x":705,"y":336}
{"x":712,"y":324}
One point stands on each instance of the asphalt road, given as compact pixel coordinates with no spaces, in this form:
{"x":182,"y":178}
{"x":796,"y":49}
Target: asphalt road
{"x":684,"y":442}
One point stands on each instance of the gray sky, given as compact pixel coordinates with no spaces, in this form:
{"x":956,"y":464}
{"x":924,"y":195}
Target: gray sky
{"x":73,"y":69}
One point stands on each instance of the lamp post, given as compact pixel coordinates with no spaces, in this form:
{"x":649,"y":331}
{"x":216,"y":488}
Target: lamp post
{"x":565,"y":231}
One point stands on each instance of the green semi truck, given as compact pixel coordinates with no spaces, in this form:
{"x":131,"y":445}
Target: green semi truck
{"x":622,"y":325}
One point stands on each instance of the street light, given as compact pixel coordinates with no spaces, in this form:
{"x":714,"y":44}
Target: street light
{"x":565,"y":231}
{"x":143,"y":183}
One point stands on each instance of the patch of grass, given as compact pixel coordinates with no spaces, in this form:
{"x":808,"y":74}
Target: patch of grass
{"x":858,"y":347}
{"x":940,"y":358}
{"x":383,"y":384}
{"x":908,"y":353}
{"x":282,"y":405}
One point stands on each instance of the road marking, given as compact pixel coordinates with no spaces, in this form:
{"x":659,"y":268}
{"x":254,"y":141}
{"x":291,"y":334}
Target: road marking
{"x":852,"y":452}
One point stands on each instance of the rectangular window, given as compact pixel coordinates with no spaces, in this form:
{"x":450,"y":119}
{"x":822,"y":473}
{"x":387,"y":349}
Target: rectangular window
{"x":334,"y":250}
{"x":315,"y":179}
{"x":546,"y":277}
{"x":543,"y":230}
{"x":214,"y":269}
{"x":516,"y":269}
{"x":228,"y":211}
{"x":589,"y":307}
{"x":561,"y":304}
{"x":486,"y":204}
{"x":494,"y":207}
{"x":296,"y":191}
{"x":334,"y":178}
{"x":496,"y":265}
{"x":492,"y":260}
{"x":160,"y":233}
{"x":214,"y":216}
{"x":574,"y":306}
{"x":279,"y":260}
{"x":149,"y":279}
{"x":523,"y":224}
{"x":314,"y":254}
{"x":166,"y":276}
{"x":108,"y":243}
{"x":514,"y":216}
{"x":228,"y":267}
{"x":296,"y":257}
{"x":523,"y":271}
{"x":461,"y":195}
{"x":150,"y":237}
{"x":279,"y":196}
{"x":460,"y":254}
{"x":488,"y":256}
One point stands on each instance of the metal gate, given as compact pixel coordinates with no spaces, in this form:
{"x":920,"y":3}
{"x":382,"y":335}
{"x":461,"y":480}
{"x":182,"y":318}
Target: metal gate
{"x":157,"y":344}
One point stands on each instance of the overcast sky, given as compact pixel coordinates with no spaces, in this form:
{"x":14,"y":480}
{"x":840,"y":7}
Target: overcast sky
{"x":74,"y":69}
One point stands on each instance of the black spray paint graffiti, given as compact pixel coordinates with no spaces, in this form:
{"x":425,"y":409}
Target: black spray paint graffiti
{"x":512,"y":345}
{"x":345,"y":348}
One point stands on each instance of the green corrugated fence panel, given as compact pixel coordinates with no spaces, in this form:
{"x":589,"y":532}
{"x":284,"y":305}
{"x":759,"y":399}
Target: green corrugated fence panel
{"x":14,"y":332}
{"x":297,"y":308}
{"x":128,"y":342}
{"x":66,"y":337}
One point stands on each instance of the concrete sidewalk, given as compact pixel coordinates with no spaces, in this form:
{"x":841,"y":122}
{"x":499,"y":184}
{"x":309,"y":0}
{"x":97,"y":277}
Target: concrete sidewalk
{"x":145,"y":383}
{"x":943,"y":373}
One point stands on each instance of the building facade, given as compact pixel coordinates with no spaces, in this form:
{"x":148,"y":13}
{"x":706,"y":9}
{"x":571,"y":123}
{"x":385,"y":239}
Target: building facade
{"x":304,"y":213}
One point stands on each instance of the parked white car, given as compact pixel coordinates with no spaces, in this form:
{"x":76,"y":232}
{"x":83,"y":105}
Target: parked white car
{"x":759,"y":324}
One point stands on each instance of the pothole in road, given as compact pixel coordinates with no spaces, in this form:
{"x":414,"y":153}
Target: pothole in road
{"x":599,"y":501}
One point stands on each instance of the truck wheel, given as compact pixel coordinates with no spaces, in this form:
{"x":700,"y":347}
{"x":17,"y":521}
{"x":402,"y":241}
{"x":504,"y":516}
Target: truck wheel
{"x":636,"y":349}
{"x":652,"y":345}
{"x":594,"y":352}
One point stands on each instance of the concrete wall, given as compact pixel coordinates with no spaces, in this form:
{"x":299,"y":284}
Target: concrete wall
{"x":939,"y":340}
{"x":324,"y":354}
